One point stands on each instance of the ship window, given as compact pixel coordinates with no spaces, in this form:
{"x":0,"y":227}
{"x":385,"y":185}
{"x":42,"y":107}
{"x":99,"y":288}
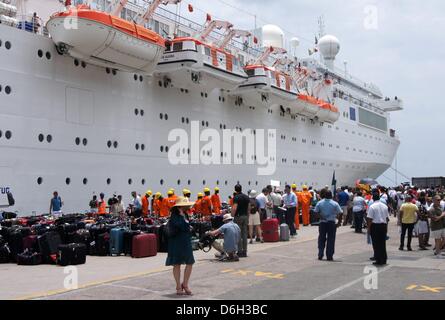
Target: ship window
{"x":40,"y":53}
{"x":8,"y":134}
{"x":166,"y":116}
{"x":141,"y":78}
{"x":0,"y":43}
{"x":166,"y":149}
{"x":76,"y":62}
{"x":189,"y":182}
{"x":143,"y":181}
{"x":85,"y":181}
{"x":207,"y":51}
{"x":39,"y":180}
{"x":67,"y":181}
{"x":136,"y":112}
{"x":142,"y":146}
{"x":177,"y":46}
{"x":162,"y":148}
{"x":8,"y":89}
{"x":1,"y":133}
{"x":130,"y":181}
{"x":84,"y":65}
{"x":107,"y":70}
{"x":161,"y":182}
{"x":161,"y":116}
{"x":115,"y":144}
{"x":187,"y":120}
{"x":203,"y":182}
{"x":48,"y":55}
{"x":8,"y":45}
{"x":41,"y":137}
{"x":114,"y":72}
{"x":84,"y":141}
{"x":49,"y":138}
{"x":142,"y":112}
{"x":109,"y":144}
{"x":178,"y":182}
{"x":135,"y":77}
{"x":137,"y":146}
{"x":108,"y":181}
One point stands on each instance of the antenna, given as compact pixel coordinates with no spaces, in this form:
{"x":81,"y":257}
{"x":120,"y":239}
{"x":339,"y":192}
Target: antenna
{"x":321,"y":26}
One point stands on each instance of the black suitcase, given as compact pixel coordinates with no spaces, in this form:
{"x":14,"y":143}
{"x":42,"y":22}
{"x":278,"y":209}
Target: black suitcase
{"x":71,"y":254}
{"x":40,"y":229}
{"x":9,"y":215}
{"x":5,"y":253}
{"x":15,"y":243}
{"x":48,"y":246}
{"x":29,"y":258}
{"x":128,"y":241}
{"x":100,"y":246}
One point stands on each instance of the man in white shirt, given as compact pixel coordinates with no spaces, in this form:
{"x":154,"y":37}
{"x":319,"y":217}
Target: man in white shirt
{"x":261,"y":200}
{"x":378,"y":217}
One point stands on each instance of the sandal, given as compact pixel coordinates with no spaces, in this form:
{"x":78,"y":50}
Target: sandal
{"x":187,"y":290}
{"x":179,"y":292}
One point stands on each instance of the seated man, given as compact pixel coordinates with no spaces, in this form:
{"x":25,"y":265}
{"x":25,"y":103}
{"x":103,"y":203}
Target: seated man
{"x":228,"y":247}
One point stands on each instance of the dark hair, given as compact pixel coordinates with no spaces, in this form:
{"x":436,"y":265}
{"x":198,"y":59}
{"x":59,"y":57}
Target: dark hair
{"x":175,"y":211}
{"x":269,"y":188}
{"x":238,"y":188}
{"x":343,"y":188}
{"x":323,"y":193}
{"x":264,"y":190}
{"x":375,"y":196}
{"x":328,"y":194}
{"x":359,"y":193}
{"x":287,"y":186}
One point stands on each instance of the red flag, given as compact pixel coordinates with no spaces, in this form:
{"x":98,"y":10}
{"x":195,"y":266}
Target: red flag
{"x":190,"y":8}
{"x":67,"y":3}
{"x":209,"y":17}
{"x":255,"y":40}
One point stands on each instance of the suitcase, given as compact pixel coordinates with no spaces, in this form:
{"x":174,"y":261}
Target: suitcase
{"x":30,"y":243}
{"x":5,"y":253}
{"x":15,"y":243}
{"x":156,"y":229}
{"x":100,"y":246}
{"x":284,"y":232}
{"x":117,"y":241}
{"x":217,"y":221}
{"x":162,"y":238}
{"x":29,"y":258}
{"x":144,"y":245}
{"x":48,"y":246}
{"x":314,"y":218}
{"x":9,"y":215}
{"x":40,"y":229}
{"x":128,"y":241}
{"x":270,"y":230}
{"x":71,"y":254}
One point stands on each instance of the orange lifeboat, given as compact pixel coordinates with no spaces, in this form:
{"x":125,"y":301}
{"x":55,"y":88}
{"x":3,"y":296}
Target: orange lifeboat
{"x":102,"y":39}
{"x":309,"y":103}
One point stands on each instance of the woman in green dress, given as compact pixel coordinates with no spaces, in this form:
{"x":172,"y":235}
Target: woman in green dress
{"x":180,"y":245}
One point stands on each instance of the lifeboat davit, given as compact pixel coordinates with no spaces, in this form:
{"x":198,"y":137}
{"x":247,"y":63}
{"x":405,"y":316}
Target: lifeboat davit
{"x":102,"y":39}
{"x":190,"y":62}
{"x":271,"y":88}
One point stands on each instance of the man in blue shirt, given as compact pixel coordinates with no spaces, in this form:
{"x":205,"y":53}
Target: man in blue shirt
{"x":56,"y":204}
{"x":343,"y":201}
{"x":290,"y":203}
{"x":329,"y":211}
{"x":232,"y":235}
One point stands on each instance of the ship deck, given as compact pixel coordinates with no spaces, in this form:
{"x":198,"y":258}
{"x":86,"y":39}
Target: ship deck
{"x":272,"y":271}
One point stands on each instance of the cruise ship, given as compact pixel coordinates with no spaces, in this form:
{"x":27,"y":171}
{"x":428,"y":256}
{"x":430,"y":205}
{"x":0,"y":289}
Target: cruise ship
{"x":91,"y":90}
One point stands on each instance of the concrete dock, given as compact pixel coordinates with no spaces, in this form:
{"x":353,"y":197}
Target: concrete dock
{"x":284,"y":270}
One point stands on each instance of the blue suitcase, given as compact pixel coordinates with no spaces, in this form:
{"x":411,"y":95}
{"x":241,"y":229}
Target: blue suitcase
{"x":117,"y":241}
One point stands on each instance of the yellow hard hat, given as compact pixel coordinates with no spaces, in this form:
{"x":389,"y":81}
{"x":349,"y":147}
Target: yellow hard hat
{"x":149,"y":192}
{"x":206,"y":190}
{"x":170,"y":192}
{"x":200,"y":195}
{"x":216,"y":189}
{"x":157,"y":195}
{"x":305,"y":187}
{"x":294,"y":186}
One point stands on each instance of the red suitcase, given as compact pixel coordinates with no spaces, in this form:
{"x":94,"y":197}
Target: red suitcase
{"x":270,"y":230}
{"x":144,"y":245}
{"x":30,"y":242}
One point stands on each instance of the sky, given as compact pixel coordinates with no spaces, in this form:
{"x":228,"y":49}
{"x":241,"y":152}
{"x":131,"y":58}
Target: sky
{"x":402,"y":53}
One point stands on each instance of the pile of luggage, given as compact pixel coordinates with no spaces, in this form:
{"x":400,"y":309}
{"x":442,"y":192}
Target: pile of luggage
{"x":70,"y":238}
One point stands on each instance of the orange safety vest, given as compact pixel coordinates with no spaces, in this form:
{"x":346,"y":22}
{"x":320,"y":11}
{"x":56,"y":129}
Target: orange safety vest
{"x":197,"y":206}
{"x":171,"y":201}
{"x":164,"y":209}
{"x":144,"y":205}
{"x":206,"y":206}
{"x":102,"y":207}
{"x":216,"y":203}
{"x":305,"y":198}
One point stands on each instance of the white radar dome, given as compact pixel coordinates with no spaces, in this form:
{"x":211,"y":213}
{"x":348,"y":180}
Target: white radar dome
{"x":273,"y":36}
{"x":294,"y":43}
{"x":329,"y":47}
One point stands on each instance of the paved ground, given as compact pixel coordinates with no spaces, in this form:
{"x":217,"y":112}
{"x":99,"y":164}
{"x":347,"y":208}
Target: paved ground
{"x":272,"y":271}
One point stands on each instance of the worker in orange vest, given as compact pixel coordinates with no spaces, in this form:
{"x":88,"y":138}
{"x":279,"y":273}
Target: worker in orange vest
{"x":197,"y":207}
{"x":305,"y":198}
{"x":157,"y":204}
{"x":164,"y":209}
{"x":206,"y":203}
{"x":171,"y":199}
{"x":216,"y":201}
{"x":146,"y":203}
{"x":102,"y":205}
{"x":188,"y":194}
{"x":297,"y":211}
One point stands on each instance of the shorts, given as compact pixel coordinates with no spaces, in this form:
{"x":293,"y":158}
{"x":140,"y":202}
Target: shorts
{"x":438,"y":234}
{"x":345,"y":211}
{"x":254,"y":219}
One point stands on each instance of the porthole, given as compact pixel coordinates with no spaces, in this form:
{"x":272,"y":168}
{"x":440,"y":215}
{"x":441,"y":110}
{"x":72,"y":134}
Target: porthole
{"x":135,"y":77}
{"x":115,"y":144}
{"x":203,"y":182}
{"x":130,"y":181}
{"x":161,"y":182}
{"x":77,"y":141}
{"x":142,"y":147}
{"x":48,"y":55}
{"x":39,"y":180}
{"x":0,"y":43}
{"x":141,"y":78}
{"x":107,"y":70}
{"x":84,"y":141}
{"x":166,"y":149}
{"x":7,"y":89}
{"x":143,"y":181}
{"x":8,"y":45}
{"x":40,"y":53}
{"x":166,"y":116}
{"x":67,"y":181}
{"x":256,"y":183}
{"x":1,"y":133}
{"x":136,"y":111}
{"x":203,"y":123}
{"x":179,"y":182}
{"x":49,"y":138}
{"x":85,"y":181}
{"x":109,"y":144}
{"x":160,"y":83}
{"x":114,"y":72}
{"x":8,"y":134}
{"x":76,"y":62}
{"x":187,"y":120}
{"x":225,"y":182}
{"x":217,"y":182}
{"x":207,"y":123}
{"x":137,"y":146}
{"x":162,"y":148}
{"x":142,"y":112}
{"x":41,"y":137}
{"x":189,"y":182}
{"x":0,"y":88}
{"x":84,"y":65}
{"x":161,"y":116}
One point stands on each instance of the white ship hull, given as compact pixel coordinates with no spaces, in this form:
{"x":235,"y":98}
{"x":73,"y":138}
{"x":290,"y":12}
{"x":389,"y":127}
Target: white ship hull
{"x":57,"y":98}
